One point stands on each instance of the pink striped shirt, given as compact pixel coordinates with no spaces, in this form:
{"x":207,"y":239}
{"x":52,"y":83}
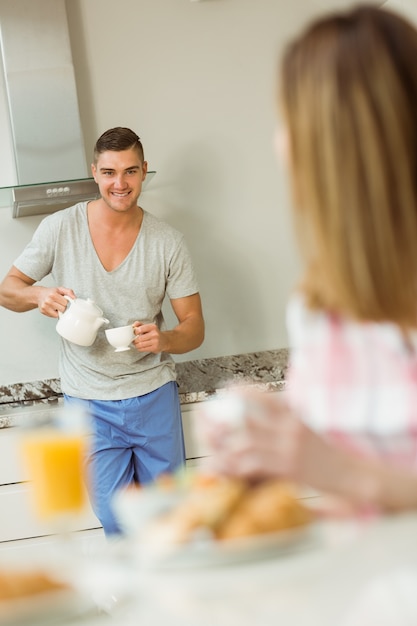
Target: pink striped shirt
{"x":354,"y":382}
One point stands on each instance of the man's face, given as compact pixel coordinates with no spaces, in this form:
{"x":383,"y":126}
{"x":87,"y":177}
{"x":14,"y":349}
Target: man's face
{"x":119,"y":176}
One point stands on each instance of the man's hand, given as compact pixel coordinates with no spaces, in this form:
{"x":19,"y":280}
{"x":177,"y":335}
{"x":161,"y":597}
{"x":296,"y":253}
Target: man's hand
{"x":18,"y":292}
{"x":187,"y":335}
{"x":51,"y":301}
{"x":148,"y":338}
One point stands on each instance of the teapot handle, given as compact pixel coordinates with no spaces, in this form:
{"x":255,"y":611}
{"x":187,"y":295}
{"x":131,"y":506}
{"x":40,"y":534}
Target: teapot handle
{"x":71,"y":300}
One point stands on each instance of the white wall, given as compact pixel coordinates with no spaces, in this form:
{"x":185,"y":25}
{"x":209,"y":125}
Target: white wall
{"x":196,"y":80}
{"x":407,"y":7}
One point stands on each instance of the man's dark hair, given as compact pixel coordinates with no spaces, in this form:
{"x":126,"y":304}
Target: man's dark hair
{"x":118,"y":139}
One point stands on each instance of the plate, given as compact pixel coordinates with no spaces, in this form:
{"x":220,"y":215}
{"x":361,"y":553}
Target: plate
{"x":96,"y":582}
{"x":169,"y":522}
{"x":207,"y":552}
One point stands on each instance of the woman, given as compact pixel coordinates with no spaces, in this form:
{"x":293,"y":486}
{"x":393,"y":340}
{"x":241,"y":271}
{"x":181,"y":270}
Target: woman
{"x":348,"y":92}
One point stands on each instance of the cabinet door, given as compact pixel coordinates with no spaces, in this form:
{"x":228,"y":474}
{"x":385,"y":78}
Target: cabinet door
{"x":11,"y":467}
{"x":17,"y":520}
{"x":194,"y":449}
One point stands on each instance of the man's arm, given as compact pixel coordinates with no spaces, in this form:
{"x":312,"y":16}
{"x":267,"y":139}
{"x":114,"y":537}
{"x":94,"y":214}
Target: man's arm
{"x":186,"y":336}
{"x":19,"y":293}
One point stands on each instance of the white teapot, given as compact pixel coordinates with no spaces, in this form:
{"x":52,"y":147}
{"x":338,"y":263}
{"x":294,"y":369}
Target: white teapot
{"x":80,"y":322}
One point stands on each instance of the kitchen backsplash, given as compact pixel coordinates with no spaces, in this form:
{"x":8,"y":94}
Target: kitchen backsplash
{"x":197,"y":380}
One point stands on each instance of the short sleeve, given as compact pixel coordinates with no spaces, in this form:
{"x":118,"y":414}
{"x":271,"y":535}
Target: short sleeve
{"x":181,"y":280}
{"x":37,"y":258}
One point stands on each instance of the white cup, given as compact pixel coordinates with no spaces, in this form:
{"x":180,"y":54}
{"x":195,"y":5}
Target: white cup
{"x":121,"y":337}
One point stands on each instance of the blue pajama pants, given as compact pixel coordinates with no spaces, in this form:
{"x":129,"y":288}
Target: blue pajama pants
{"x":133,"y":440}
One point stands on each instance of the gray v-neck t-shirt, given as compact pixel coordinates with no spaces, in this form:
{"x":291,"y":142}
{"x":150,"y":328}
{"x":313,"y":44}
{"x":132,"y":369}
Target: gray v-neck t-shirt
{"x":158,"y":264}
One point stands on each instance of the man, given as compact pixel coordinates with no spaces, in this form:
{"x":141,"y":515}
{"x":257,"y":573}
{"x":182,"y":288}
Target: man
{"x":117,"y":254}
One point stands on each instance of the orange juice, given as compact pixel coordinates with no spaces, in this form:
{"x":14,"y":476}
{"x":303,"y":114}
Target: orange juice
{"x":54,"y":461}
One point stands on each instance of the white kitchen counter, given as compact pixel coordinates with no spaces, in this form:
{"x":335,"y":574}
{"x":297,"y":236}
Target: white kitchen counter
{"x":347,"y":580}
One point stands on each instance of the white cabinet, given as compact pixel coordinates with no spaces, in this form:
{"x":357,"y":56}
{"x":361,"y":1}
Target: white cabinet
{"x":17,"y":520}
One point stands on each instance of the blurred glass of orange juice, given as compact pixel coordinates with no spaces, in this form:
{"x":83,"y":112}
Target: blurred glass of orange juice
{"x":54,"y":460}
{"x":54,"y":454}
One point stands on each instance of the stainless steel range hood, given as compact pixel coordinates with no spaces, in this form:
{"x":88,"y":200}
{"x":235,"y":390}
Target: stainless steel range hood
{"x":51,"y":171}
{"x":43,"y":108}
{"x":50,"y":197}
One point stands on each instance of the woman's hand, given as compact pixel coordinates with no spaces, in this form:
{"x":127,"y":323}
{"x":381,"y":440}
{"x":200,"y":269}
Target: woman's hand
{"x":258,"y":436}
{"x":266,"y":439}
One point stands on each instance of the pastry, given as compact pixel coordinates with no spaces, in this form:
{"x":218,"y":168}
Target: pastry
{"x":18,"y":584}
{"x":228,"y":508}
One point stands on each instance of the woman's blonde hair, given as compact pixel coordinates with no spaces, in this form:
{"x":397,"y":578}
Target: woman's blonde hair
{"x":349,"y":94}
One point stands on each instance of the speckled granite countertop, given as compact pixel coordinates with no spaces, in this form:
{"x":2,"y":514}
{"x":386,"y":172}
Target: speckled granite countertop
{"x":197,"y":380}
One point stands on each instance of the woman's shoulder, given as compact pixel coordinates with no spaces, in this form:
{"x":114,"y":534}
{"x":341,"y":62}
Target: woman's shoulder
{"x":306,"y":326}
{"x":302,"y":321}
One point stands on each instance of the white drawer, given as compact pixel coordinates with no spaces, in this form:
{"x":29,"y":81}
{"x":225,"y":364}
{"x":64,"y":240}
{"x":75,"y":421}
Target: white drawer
{"x":19,"y":522}
{"x":194,"y":449}
{"x":11,"y":468}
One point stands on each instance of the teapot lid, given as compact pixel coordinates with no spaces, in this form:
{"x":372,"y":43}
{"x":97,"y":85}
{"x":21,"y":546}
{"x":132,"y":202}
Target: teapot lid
{"x":89,"y":306}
